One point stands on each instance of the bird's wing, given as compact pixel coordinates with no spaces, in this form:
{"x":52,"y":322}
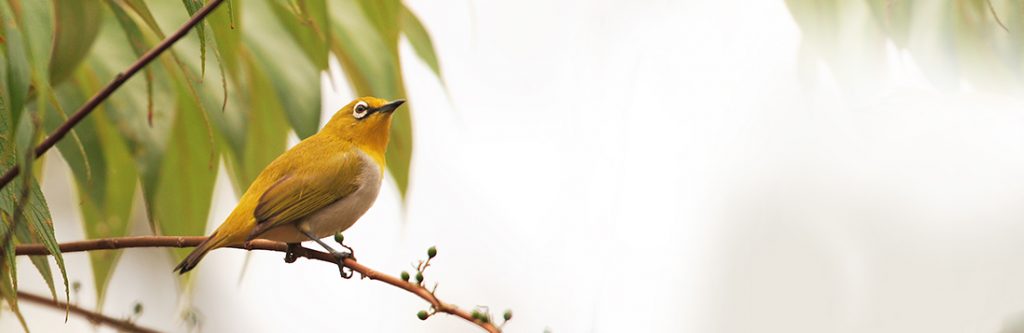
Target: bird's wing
{"x":307,"y":189}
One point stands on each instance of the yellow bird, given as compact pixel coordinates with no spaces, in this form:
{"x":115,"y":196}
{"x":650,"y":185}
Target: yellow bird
{"x":316,"y":189}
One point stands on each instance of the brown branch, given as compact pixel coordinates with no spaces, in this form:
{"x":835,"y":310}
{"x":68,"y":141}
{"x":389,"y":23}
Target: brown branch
{"x":120,"y":79}
{"x":259,"y":244}
{"x":93,"y":317}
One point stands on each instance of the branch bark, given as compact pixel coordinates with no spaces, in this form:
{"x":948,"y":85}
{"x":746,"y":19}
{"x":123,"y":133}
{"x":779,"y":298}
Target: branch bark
{"x":93,"y":317}
{"x":263,"y":245}
{"x":120,"y":79}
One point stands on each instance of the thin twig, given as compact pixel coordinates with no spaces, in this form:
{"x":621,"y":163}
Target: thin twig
{"x":259,"y":244}
{"x":92,"y":316}
{"x":120,"y":79}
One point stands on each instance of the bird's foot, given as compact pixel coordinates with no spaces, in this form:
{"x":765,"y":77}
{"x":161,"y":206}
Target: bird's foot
{"x":290,"y":256}
{"x":346,"y":272}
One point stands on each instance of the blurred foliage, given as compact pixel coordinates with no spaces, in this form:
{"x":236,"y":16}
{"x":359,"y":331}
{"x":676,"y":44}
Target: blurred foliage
{"x":951,"y":41}
{"x":230,"y":91}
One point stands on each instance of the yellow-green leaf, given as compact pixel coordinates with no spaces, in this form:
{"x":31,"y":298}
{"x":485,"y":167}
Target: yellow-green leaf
{"x":367,"y":50}
{"x":76,"y":26}
{"x":420,"y":40}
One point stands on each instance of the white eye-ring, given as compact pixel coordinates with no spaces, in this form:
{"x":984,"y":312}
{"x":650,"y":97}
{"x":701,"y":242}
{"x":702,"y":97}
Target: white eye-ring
{"x":360,"y":110}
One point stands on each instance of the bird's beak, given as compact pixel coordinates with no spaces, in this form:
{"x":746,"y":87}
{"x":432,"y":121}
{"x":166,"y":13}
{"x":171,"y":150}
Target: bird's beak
{"x":390,"y":107}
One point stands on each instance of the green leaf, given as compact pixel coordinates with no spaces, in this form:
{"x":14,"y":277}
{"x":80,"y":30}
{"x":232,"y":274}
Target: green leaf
{"x":296,"y":79}
{"x":266,"y":130}
{"x":35,"y":19}
{"x":35,"y":224}
{"x":367,"y":50}
{"x":192,"y":6}
{"x":420,"y":40}
{"x":226,"y":39}
{"x":173,"y":157}
{"x":227,"y":35}
{"x":310,"y":33}
{"x":9,"y":271}
{"x":105,"y":195}
{"x":76,"y":26}
{"x":384,"y":16}
{"x":19,"y":72}
{"x":178,"y":195}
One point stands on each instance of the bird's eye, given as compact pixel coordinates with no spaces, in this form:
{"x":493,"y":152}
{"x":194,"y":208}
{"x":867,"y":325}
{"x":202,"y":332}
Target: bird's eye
{"x":360,"y":110}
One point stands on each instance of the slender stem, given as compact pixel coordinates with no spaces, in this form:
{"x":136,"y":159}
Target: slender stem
{"x":120,"y":79}
{"x":259,"y":244}
{"x":93,"y":317}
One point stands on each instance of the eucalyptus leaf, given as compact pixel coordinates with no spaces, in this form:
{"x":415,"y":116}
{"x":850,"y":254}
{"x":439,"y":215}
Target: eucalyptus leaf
{"x":31,"y":218}
{"x":296,"y":80}
{"x":105,"y":195}
{"x":192,"y":6}
{"x":76,"y":26}
{"x":179,"y":196}
{"x":420,"y":40}
{"x":368,"y":54}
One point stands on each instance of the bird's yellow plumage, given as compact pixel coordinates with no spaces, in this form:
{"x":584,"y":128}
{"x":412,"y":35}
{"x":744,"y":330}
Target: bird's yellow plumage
{"x":315,"y":189}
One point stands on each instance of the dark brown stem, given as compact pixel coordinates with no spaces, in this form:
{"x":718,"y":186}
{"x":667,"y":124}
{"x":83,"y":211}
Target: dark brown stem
{"x":120,"y":79}
{"x":93,"y":317}
{"x":259,"y":244}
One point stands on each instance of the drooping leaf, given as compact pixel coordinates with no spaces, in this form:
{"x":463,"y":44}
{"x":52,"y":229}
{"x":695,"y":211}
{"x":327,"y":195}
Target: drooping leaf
{"x":105,"y":196}
{"x":173,"y":156}
{"x":177,"y":181}
{"x":298,"y":21}
{"x":179,"y":196}
{"x":18,"y":78}
{"x":420,"y":40}
{"x":287,"y":67}
{"x":28,"y":214}
{"x":35,"y":22}
{"x":384,"y":14}
{"x":266,"y":129}
{"x":192,"y":6}
{"x":365,"y":43}
{"x":42,"y":264}
{"x":9,"y":272}
{"x":76,"y":26}
{"x":227,"y":34}
{"x":226,"y":42}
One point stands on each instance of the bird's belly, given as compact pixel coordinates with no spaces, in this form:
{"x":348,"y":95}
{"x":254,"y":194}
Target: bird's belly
{"x":335,"y":217}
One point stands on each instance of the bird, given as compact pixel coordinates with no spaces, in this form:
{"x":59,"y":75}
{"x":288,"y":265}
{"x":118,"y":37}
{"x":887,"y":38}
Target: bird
{"x":316,"y":189}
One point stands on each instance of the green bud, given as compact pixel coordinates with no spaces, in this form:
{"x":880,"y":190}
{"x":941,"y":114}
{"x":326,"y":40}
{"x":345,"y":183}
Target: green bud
{"x":405,"y":276}
{"x":508,"y":315}
{"x":338,"y":237}
{"x":476,"y":314}
{"x":422,"y":315}
{"x":432,"y":252}
{"x":137,"y":309}
{"x":419,"y":276}
{"x":484,"y":319}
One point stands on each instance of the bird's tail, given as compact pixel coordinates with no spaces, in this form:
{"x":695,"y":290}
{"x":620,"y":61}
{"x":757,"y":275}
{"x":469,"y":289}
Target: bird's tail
{"x":193,"y":258}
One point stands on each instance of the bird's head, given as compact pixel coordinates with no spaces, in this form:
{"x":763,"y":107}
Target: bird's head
{"x":365,"y":121}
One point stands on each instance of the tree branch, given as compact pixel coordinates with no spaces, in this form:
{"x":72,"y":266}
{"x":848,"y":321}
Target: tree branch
{"x":259,"y":244}
{"x":120,"y":79}
{"x":93,"y":317}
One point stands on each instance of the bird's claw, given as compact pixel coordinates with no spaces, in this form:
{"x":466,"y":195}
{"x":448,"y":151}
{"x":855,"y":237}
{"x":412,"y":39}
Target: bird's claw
{"x":290,"y":256}
{"x":346,"y":272}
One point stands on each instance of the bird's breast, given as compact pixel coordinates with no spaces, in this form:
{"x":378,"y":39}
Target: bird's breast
{"x":339,"y":215}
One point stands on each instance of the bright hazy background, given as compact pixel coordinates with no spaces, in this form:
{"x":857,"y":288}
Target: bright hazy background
{"x":614,"y":166}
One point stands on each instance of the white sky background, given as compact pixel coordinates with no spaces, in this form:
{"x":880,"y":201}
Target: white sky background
{"x":611,"y":166}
